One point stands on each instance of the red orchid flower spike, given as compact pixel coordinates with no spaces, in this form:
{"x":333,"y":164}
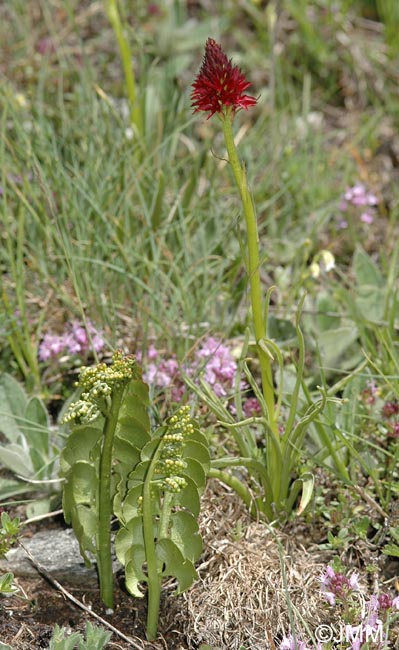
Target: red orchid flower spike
{"x":219,"y":84}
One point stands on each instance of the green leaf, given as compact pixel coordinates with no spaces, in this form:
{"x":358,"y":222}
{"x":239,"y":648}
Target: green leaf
{"x":17,"y":458}
{"x":198,"y":451}
{"x":35,"y":426}
{"x":196,"y":471}
{"x":13,"y":402}
{"x":61,"y":641}
{"x":79,"y":446}
{"x":82,"y":481}
{"x":6,"y":584}
{"x":391,"y":549}
{"x":149,"y":449}
{"x":370,"y":301}
{"x":334,"y":343}
{"x":134,"y":574}
{"x":10,"y":526}
{"x":280,"y":329}
{"x":10,"y":488}
{"x":307,"y":481}
{"x":96,"y":638}
{"x":325,"y":304}
{"x":125,"y":452}
{"x":184,"y":533}
{"x":366,"y":271}
{"x":174,"y":564}
{"x":189,"y":497}
{"x":79,"y":505}
{"x":130,"y":535}
{"x":199,"y":437}
{"x":125,"y":505}
{"x":134,"y":409}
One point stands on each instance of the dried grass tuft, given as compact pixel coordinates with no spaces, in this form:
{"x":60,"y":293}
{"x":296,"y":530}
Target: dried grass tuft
{"x":254,"y":588}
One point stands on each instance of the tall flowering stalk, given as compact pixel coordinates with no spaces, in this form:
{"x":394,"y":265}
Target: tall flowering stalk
{"x":219,"y":88}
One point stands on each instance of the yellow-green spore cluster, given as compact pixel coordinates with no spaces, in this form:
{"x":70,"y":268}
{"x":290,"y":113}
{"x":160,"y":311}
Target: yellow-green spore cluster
{"x":98,"y":383}
{"x":171,"y":463}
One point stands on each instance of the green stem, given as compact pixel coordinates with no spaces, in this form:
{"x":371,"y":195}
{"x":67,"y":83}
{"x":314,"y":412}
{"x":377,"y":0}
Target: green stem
{"x":243,"y":493}
{"x":253,"y":268}
{"x":104,"y":558}
{"x":165,"y":515}
{"x":153,"y":577}
{"x":136,"y":117}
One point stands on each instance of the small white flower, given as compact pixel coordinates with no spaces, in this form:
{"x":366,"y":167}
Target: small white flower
{"x":314,"y":270}
{"x":328,"y":260}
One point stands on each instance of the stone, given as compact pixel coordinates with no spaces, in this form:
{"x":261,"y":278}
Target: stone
{"x":57,"y":551}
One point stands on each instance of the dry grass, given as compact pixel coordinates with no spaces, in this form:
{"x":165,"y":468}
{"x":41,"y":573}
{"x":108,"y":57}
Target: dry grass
{"x":254,"y":588}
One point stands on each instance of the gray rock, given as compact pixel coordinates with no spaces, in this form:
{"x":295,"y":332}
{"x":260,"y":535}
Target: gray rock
{"x":57,"y":551}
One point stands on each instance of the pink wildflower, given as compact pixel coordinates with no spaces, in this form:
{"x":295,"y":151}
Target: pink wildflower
{"x":336,"y":586}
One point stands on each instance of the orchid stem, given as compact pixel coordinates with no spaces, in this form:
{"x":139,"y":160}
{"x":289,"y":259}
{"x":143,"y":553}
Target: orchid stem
{"x":253,"y":268}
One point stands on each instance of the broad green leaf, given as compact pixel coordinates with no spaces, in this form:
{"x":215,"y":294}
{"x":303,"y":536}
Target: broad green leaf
{"x":35,"y":425}
{"x":148,"y":450}
{"x":370,"y":301}
{"x":366,"y":271}
{"x":79,"y":446}
{"x":184,"y":533}
{"x":13,"y":402}
{"x":85,"y":525}
{"x":189,"y":497}
{"x":128,"y":536}
{"x":326,"y":305}
{"x":125,"y":506}
{"x":134,"y":571}
{"x":198,"y":451}
{"x":139,"y":473}
{"x":17,"y":459}
{"x":196,"y":471}
{"x":138,"y":440}
{"x":81,"y":481}
{"x":334,"y":343}
{"x":199,"y":437}
{"x":79,"y":505}
{"x":135,"y":407}
{"x":175,"y":565}
{"x":125,"y":452}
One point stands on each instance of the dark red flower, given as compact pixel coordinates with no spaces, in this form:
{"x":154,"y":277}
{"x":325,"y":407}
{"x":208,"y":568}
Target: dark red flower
{"x":390,"y":408}
{"x":219,"y":83}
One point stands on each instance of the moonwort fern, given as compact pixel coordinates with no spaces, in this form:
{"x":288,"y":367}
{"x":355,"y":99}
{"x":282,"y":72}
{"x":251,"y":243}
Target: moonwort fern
{"x":159,"y":532}
{"x":114,"y":465}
